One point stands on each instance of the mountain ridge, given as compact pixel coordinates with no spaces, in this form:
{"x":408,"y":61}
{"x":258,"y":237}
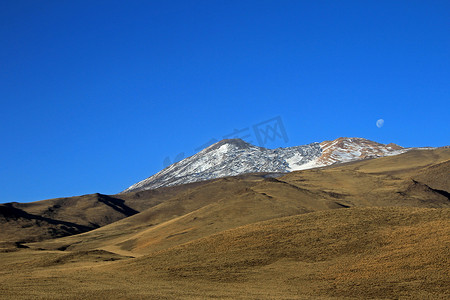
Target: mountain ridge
{"x":231,"y":157}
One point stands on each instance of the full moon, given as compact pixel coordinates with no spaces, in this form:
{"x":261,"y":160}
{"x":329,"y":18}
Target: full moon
{"x":380,"y":123}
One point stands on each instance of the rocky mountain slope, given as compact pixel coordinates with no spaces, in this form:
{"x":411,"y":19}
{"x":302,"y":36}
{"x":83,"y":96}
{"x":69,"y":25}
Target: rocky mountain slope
{"x":233,"y":157}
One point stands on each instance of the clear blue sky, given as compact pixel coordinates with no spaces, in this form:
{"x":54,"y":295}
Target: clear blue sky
{"x":95,"y":95}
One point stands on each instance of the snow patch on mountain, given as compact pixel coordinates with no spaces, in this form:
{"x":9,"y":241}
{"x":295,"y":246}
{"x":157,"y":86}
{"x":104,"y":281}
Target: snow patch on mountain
{"x":233,"y":157}
{"x":230,"y":158}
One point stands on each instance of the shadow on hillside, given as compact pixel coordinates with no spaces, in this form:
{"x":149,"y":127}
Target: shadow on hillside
{"x":117,"y":205}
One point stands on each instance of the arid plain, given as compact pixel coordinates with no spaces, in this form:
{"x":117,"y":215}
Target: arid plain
{"x":372,"y":229}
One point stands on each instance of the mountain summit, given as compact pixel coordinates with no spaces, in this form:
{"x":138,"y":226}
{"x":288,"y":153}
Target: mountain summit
{"x":238,"y":143}
{"x":231,"y":157}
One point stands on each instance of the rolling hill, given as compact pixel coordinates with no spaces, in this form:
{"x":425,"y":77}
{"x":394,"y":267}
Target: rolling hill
{"x":376,"y":228}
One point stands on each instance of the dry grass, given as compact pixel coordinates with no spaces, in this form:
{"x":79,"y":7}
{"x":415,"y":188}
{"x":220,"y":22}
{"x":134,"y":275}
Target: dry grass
{"x":255,"y":238}
{"x":351,"y":253}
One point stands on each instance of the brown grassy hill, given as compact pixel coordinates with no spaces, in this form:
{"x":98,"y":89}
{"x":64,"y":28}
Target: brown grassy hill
{"x":435,"y":176}
{"x":376,"y":228}
{"x":364,"y":252}
{"x":19,"y":226}
{"x":400,"y":180}
{"x":231,"y":202}
{"x":58,"y":217}
{"x":356,"y":253}
{"x":368,"y":182}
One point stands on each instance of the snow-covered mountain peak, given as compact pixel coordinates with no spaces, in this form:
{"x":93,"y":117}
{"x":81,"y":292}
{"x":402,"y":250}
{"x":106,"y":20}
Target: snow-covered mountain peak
{"x":346,"y":149}
{"x":227,"y":145}
{"x":231,"y":157}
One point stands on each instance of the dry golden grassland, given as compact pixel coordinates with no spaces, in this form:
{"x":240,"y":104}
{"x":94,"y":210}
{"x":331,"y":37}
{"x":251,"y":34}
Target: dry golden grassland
{"x":374,"y":229}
